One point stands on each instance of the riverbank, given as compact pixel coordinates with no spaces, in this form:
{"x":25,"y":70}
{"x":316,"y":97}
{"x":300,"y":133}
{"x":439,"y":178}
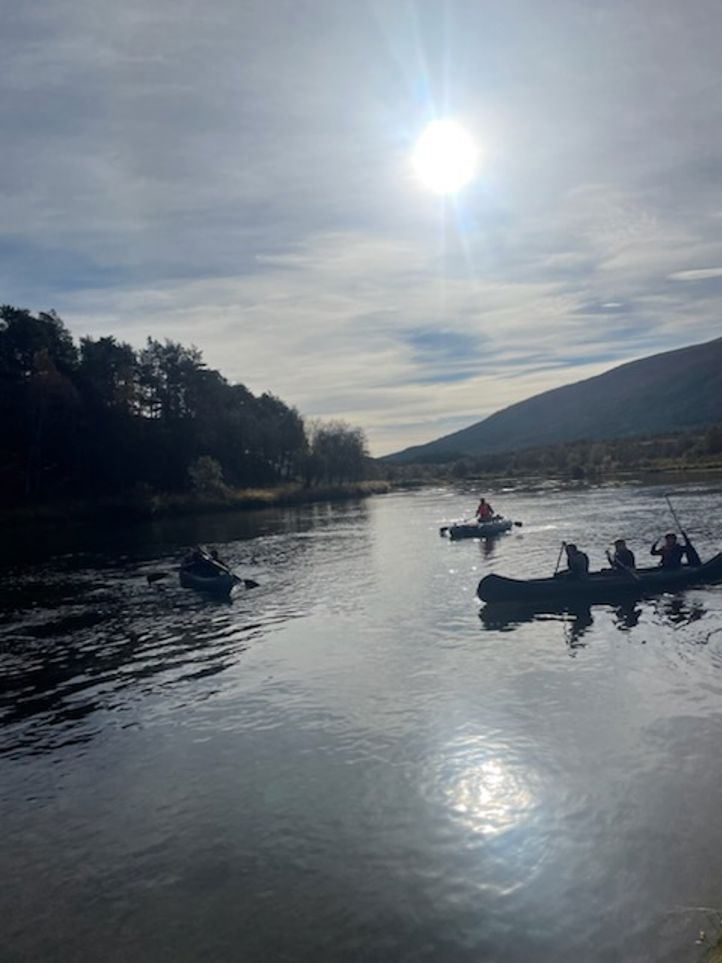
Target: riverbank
{"x":146,"y":505}
{"x":431,"y":475}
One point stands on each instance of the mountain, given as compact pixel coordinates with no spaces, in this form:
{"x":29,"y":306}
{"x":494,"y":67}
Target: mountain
{"x":666,"y":392}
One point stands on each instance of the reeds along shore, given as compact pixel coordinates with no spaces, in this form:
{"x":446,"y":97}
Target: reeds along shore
{"x":144,"y":504}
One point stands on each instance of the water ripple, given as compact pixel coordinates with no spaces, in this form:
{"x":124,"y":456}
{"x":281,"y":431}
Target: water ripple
{"x":354,"y":761}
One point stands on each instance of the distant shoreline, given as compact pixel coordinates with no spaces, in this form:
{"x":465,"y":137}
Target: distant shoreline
{"x":146,"y":506}
{"x":427,"y":475}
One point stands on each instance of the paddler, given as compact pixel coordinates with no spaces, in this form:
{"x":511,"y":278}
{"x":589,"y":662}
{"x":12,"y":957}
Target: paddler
{"x":623,"y":557}
{"x":202,"y":563}
{"x":671,"y":552}
{"x":577,"y":562}
{"x":484,"y":511}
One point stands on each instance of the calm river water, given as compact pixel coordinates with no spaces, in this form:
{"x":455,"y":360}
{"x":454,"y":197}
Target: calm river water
{"x":349,"y":763}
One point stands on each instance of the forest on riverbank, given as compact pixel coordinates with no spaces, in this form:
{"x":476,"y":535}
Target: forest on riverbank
{"x":591,"y":461}
{"x":98,"y":419}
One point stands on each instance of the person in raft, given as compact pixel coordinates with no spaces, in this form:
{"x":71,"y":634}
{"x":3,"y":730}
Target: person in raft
{"x":199,"y":562}
{"x":671,"y":552}
{"x":484,"y":511}
{"x":577,"y":562}
{"x":623,"y":557}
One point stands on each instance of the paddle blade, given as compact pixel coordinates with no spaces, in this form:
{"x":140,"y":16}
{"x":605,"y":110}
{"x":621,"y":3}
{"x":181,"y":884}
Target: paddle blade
{"x":153,"y":577}
{"x":249,"y":583}
{"x":518,"y":524}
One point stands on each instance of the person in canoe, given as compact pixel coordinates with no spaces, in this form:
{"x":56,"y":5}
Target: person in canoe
{"x":484,"y":512}
{"x":199,"y":562}
{"x":208,"y":566}
{"x":623,"y":557}
{"x":577,"y":562}
{"x":671,"y":552}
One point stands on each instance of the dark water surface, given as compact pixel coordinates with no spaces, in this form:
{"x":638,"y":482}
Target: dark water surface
{"x":348,"y":763}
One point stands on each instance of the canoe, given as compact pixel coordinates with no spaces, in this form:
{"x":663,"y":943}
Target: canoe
{"x":219,"y":585}
{"x":598,"y":587}
{"x":477,"y":529}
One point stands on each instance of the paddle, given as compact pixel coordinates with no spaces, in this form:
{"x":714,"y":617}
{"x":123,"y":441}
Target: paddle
{"x":674,"y":514}
{"x":692,"y":556}
{"x":155,"y":577}
{"x":249,"y":583}
{"x":559,"y":557}
{"x":615,"y":563}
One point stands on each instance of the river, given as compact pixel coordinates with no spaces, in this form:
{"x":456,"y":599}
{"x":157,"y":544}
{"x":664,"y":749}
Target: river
{"x":348,"y":763}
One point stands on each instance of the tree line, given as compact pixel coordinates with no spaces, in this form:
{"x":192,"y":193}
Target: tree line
{"x":100,"y":417}
{"x":578,"y":460}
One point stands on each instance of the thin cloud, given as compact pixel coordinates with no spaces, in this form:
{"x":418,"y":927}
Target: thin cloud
{"x":696,"y":274}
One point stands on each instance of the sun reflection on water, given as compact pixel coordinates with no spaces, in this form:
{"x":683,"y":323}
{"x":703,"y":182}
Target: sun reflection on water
{"x":490,"y":797}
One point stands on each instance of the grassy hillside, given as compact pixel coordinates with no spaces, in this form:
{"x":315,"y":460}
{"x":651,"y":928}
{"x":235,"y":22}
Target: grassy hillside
{"x":676,"y":390}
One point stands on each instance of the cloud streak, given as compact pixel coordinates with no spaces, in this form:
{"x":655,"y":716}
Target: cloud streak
{"x":696,"y":274}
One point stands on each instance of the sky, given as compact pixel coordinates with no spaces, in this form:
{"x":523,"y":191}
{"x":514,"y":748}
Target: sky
{"x":236,"y":174}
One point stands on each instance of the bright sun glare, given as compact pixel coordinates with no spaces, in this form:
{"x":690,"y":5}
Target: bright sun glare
{"x":445,"y":157}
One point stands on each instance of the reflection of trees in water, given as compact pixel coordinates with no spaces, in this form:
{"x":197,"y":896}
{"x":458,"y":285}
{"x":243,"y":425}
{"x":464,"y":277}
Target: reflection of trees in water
{"x":228,"y":531}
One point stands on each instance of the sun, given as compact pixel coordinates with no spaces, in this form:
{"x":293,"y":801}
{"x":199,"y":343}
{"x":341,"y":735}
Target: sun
{"x":445,"y":157}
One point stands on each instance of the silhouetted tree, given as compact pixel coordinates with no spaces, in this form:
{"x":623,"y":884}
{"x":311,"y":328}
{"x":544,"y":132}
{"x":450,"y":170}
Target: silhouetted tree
{"x":106,"y":418}
{"x":337,"y":453}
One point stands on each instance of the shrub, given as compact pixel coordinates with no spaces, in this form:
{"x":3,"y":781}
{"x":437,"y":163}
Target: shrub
{"x":206,"y":476}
